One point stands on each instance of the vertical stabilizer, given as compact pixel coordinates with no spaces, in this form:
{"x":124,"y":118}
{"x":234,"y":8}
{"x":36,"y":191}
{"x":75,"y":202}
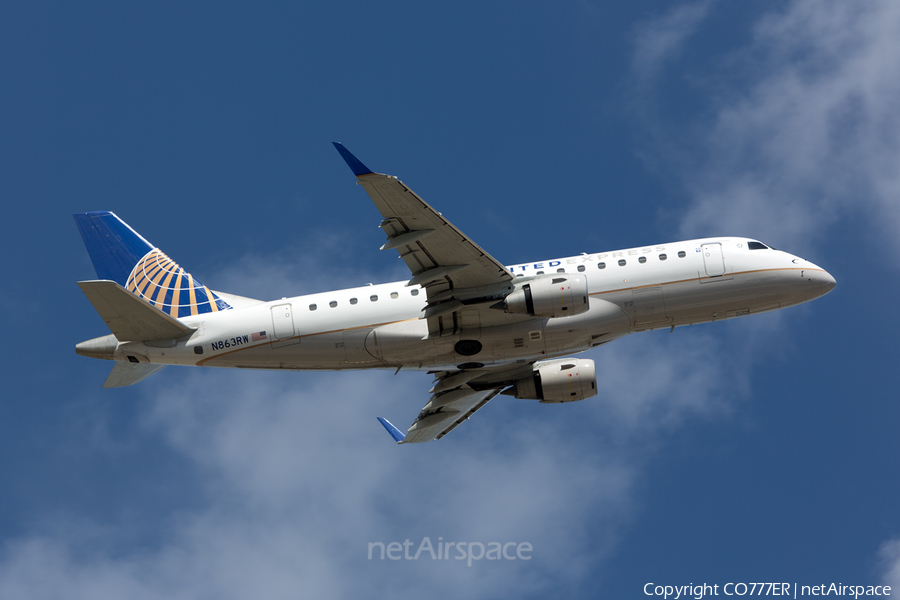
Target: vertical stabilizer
{"x":120,"y":254}
{"x":114,"y":247}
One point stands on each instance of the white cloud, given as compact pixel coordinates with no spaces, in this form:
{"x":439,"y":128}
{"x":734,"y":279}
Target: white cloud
{"x":659,"y":40}
{"x":809,"y":136}
{"x":889,"y":555}
{"x":317,"y":263}
{"x":298,"y":481}
{"x":297,"y":476}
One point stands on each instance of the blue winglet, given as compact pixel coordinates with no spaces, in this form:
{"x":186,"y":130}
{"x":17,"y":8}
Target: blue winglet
{"x":398,"y":435}
{"x":355,"y":165}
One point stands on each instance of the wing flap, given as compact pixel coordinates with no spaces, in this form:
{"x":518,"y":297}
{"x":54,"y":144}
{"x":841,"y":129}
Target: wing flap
{"x":128,"y":317}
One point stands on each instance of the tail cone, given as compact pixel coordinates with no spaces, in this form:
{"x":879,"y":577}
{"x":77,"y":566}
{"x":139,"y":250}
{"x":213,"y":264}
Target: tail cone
{"x":102,"y":347}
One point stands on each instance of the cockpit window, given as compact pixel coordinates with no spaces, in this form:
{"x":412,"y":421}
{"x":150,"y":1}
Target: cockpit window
{"x":757,"y":246}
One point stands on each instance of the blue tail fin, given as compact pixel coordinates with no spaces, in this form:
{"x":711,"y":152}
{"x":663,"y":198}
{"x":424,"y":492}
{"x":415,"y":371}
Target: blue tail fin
{"x":120,"y":254}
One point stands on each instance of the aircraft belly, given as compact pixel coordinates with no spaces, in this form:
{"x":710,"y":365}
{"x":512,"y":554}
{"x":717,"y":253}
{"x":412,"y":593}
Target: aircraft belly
{"x":648,"y":305}
{"x":321,"y":351}
{"x":516,"y":341}
{"x":356,"y":356}
{"x":402,"y":344}
{"x":746,"y":293}
{"x":604,"y":320}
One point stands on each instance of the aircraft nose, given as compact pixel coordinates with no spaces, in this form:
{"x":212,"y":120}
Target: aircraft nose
{"x":822,"y":280}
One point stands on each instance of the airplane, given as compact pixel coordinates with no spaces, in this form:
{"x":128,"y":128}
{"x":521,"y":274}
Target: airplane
{"x":480,"y":328}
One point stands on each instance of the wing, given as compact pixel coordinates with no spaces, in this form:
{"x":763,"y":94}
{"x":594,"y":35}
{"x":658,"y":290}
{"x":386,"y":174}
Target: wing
{"x":456,"y":395}
{"x":461,"y":281}
{"x":455,"y":271}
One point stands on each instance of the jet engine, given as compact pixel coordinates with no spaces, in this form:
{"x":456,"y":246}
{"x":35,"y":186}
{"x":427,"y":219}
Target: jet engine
{"x":560,"y":380}
{"x":559,"y":295}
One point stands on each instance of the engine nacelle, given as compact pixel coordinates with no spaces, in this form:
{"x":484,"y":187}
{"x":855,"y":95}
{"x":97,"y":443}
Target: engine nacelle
{"x":560,"y":380}
{"x":559,"y":295}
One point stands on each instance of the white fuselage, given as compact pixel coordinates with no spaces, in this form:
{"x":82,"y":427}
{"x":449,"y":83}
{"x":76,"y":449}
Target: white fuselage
{"x":381,"y":326}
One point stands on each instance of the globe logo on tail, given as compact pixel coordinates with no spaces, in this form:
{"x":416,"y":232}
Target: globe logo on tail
{"x":159,"y":281}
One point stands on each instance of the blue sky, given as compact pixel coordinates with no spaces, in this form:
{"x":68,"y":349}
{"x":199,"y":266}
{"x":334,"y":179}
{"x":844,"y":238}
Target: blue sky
{"x":761,"y":449}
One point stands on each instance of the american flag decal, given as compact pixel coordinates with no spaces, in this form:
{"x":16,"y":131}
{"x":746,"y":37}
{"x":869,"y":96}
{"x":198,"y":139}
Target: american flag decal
{"x":256,"y":337}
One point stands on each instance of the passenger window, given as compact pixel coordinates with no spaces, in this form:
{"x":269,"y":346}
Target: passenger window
{"x":539,"y":273}
{"x":395,"y":295}
{"x":353,"y":300}
{"x":333,"y":303}
{"x":601,"y":265}
{"x":312,"y":307}
{"x":663,"y":257}
{"x":681,"y":254}
{"x":373,"y":298}
{"x":621,"y":262}
{"x":581,"y":268}
{"x":560,"y":270}
{"x":642,"y":259}
{"x":414,"y":292}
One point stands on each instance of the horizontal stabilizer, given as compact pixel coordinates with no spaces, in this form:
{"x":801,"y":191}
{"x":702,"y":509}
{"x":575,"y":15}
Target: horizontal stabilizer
{"x":398,"y":435}
{"x":129,"y":373}
{"x":128,"y":317}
